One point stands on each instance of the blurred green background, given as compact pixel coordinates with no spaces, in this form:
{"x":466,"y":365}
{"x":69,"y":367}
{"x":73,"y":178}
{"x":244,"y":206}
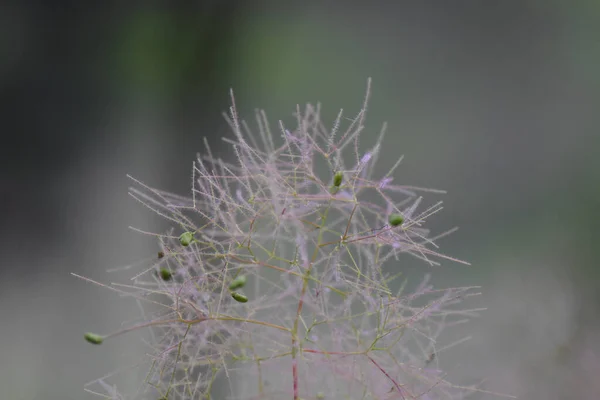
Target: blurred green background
{"x":495,"y":101}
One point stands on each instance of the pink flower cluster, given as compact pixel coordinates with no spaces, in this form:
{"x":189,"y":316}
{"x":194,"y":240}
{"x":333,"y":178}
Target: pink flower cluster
{"x":282,"y":275}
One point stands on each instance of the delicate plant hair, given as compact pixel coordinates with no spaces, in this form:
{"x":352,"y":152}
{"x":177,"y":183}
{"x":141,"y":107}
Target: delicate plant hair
{"x":271,"y":283}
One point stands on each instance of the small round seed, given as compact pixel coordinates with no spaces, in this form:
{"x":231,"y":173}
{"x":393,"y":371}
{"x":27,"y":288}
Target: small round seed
{"x":165,"y":274}
{"x":337,"y":178}
{"x":186,"y":238}
{"x":237,"y":283}
{"x":93,"y":338}
{"x":395,"y":219}
{"x":239,"y":297}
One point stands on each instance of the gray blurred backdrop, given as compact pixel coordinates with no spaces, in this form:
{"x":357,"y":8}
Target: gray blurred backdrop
{"x":495,"y":101}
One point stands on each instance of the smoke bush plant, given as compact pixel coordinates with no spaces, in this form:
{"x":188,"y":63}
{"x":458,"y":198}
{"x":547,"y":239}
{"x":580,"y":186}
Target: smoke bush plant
{"x":271,"y":283}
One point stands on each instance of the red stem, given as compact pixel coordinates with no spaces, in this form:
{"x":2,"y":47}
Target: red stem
{"x":396,"y":385}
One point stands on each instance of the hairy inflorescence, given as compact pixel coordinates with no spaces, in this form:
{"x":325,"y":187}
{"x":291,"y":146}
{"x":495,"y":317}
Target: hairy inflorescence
{"x":282,"y":275}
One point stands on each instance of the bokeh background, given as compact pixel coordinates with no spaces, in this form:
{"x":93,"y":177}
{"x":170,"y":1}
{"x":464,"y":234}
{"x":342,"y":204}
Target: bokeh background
{"x":495,"y":101}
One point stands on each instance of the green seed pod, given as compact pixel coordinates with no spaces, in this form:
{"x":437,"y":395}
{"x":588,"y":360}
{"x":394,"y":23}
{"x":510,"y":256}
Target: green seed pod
{"x":337,"y":178}
{"x":396,"y":219}
{"x":186,"y":238}
{"x":320,"y":395}
{"x":237,"y":283}
{"x":93,"y":338}
{"x":161,"y":254}
{"x":165,"y":274}
{"x":239,"y":297}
